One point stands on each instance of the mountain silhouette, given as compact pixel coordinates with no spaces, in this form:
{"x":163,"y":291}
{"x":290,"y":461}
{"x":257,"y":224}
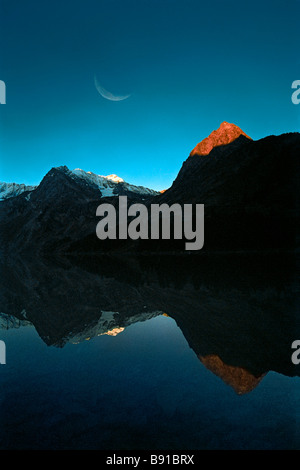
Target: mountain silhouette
{"x":249,"y":190}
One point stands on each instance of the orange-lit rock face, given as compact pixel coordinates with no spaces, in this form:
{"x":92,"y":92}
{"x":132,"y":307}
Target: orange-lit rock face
{"x":226,"y":134}
{"x":114,"y":332}
{"x":238,"y":378}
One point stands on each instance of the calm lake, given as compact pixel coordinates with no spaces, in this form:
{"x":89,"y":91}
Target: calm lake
{"x":131,"y":356}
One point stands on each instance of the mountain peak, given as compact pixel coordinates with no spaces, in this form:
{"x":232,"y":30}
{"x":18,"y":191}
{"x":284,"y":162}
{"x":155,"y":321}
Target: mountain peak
{"x":114,"y":178}
{"x":8,"y":190}
{"x":224,"y":135}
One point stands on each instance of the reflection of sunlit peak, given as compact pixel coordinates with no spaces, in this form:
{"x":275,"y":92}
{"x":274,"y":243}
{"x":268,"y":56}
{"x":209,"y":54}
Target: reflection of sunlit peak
{"x":115,"y":331}
{"x":240,"y":379}
{"x":108,"y":324}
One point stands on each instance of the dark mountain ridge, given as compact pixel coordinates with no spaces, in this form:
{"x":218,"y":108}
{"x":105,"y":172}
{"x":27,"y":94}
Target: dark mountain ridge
{"x":249,"y":190}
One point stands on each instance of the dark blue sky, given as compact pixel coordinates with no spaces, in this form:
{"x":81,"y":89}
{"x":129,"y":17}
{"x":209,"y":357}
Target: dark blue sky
{"x":188,"y":64}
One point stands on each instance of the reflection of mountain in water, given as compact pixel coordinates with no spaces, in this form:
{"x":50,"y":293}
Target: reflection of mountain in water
{"x":109,"y":323}
{"x":9,"y":321}
{"x":238,"y":314}
{"x":240,"y":379}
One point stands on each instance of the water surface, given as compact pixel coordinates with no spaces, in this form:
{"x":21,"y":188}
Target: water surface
{"x":107,"y":369}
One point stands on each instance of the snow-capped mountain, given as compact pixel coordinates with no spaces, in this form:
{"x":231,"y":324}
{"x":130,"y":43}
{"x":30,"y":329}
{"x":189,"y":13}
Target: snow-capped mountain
{"x":111,"y":185}
{"x":8,"y":190}
{"x":61,"y":209}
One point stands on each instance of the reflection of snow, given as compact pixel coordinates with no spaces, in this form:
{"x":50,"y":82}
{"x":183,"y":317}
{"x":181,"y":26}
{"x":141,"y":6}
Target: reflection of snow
{"x":9,"y":321}
{"x":109,"y":324}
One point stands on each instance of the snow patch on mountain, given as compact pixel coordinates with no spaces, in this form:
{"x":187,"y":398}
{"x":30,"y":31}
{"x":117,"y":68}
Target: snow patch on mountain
{"x":109,"y":185}
{"x":114,"y":178}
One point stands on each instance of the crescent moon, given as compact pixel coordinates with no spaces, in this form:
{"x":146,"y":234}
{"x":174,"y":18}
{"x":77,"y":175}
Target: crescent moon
{"x":107,"y":94}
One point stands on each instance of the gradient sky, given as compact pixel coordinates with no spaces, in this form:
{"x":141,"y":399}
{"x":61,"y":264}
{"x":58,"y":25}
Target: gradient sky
{"x":188,"y":64}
